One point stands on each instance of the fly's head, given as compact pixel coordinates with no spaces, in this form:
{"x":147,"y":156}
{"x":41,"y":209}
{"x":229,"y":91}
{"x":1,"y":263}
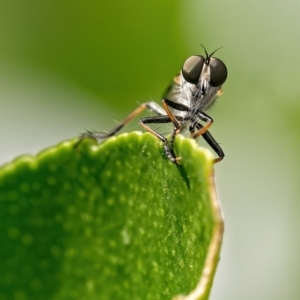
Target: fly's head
{"x":204,"y":72}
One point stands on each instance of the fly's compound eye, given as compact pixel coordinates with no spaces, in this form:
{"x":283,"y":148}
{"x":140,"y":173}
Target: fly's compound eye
{"x":218,"y":72}
{"x":192,"y":68}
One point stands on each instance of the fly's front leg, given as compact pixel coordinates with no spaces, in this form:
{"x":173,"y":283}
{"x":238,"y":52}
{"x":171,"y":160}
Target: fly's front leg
{"x":212,"y":143}
{"x":159,"y":120}
{"x":166,"y":104}
{"x":154,"y":107}
{"x":206,"y":118}
{"x":178,"y":106}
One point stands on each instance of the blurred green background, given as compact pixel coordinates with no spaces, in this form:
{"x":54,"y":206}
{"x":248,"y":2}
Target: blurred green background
{"x":66,"y":66}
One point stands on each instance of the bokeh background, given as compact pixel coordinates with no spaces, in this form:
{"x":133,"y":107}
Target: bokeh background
{"x":66,"y":66}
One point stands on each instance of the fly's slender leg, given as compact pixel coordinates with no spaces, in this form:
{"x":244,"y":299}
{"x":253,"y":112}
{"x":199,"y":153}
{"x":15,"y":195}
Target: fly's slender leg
{"x":215,"y":146}
{"x":178,"y":106}
{"x":168,"y":145}
{"x":154,"y":107}
{"x":206,"y":118}
{"x":211,"y":141}
{"x":158,"y":120}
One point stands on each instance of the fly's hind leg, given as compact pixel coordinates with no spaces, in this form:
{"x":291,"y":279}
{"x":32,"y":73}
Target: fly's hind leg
{"x":152,"y":106}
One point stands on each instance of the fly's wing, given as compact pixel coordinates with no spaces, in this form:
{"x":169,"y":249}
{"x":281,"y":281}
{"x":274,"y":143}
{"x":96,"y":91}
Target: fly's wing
{"x":173,"y":91}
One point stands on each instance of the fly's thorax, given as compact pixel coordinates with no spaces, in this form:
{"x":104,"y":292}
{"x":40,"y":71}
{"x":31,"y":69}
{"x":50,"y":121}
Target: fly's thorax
{"x":187,"y":91}
{"x":176,"y":92}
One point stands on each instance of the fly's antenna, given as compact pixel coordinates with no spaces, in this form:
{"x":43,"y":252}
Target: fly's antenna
{"x":214,"y":52}
{"x":208,"y":56}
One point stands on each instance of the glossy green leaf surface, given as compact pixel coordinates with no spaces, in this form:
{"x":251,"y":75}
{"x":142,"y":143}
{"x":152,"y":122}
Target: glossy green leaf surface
{"x":110,"y":221}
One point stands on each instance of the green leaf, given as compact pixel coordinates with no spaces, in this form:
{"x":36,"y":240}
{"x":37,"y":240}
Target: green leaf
{"x":111,"y":221}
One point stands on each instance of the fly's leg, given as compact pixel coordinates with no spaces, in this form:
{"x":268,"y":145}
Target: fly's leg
{"x":152,"y":106}
{"x":211,"y":142}
{"x":159,"y":120}
{"x":206,"y":118}
{"x":175,"y":119}
{"x":167,"y":103}
{"x":177,"y":106}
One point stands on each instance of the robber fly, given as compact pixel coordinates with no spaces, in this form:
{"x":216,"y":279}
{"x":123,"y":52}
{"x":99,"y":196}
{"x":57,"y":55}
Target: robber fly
{"x":191,"y":92}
